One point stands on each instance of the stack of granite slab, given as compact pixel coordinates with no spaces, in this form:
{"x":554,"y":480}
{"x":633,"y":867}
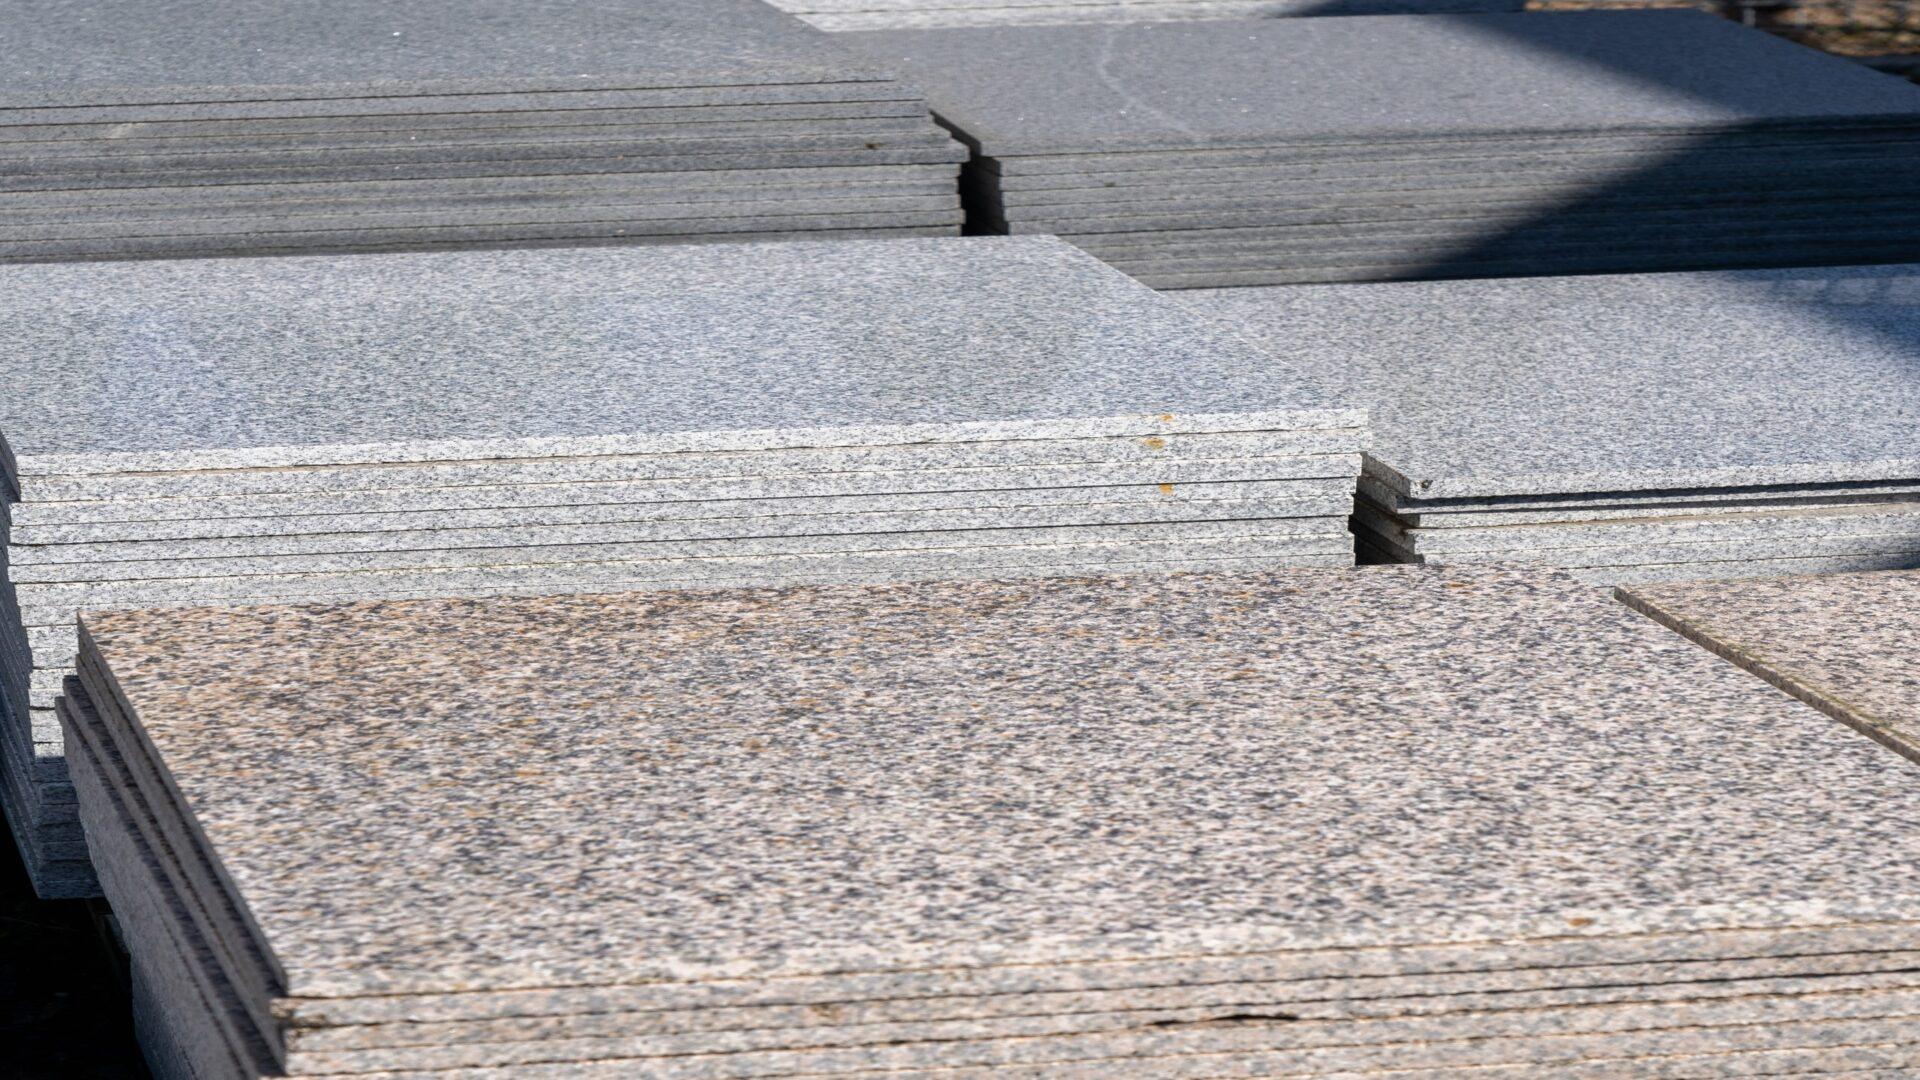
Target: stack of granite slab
{"x":459,"y":423}
{"x":1150,"y":827}
{"x":1305,"y":150}
{"x":1632,"y":428}
{"x":898,"y":14}
{"x":1843,"y":643}
{"x":130,"y":128}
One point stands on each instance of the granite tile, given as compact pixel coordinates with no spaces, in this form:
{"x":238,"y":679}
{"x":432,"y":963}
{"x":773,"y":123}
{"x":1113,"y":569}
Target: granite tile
{"x":1203,"y":84}
{"x":1645,"y":382}
{"x":1810,"y":862}
{"x":71,"y":54}
{"x":437,"y":376}
{"x":1730,"y":525}
{"x":1842,"y":643}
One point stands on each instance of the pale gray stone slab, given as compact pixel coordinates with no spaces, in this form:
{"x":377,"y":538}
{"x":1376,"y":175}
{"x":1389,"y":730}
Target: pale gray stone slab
{"x":180,"y":516}
{"x":702,"y":376}
{"x":549,"y":120}
{"x":1842,"y":643}
{"x":1408,"y":507}
{"x":64,"y":53}
{"x":440,"y":536}
{"x":1273,"y":82}
{"x":1669,"y":572}
{"x":1056,"y":14}
{"x":1850,"y":850}
{"x":1729,"y":524}
{"x":1613,"y":384}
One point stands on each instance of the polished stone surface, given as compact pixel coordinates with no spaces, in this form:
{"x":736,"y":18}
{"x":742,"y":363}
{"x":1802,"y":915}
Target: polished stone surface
{"x":405,"y":358}
{"x":814,"y":713}
{"x":1612,"y":384}
{"x":1845,"y":643}
{"x":1272,"y":82}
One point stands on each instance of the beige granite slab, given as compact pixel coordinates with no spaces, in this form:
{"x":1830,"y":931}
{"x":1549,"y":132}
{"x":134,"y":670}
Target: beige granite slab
{"x":1129,"y":659}
{"x":1844,"y":643}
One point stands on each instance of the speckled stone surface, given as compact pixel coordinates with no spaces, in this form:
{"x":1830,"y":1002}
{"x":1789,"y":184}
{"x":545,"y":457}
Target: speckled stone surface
{"x":1613,"y":383}
{"x":1178,"y":85}
{"x":1844,"y":643}
{"x":1896,"y":523}
{"x":844,"y":15}
{"x":639,"y":350}
{"x":1832,"y":859}
{"x":63,"y":53}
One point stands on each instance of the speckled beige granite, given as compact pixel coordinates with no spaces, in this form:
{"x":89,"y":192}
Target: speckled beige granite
{"x":908,"y":776}
{"x":1848,"y":644}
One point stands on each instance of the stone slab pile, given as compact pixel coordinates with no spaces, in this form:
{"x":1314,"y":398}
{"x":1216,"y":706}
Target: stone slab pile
{"x":1306,"y":822}
{"x":1280,"y":151}
{"x":1843,"y":643}
{"x":1630,"y":428}
{"x":485,"y":422}
{"x":179,"y":128}
{"x":902,"y":14}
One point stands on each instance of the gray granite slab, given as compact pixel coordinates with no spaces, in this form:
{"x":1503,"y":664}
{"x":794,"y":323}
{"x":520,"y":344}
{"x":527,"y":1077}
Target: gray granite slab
{"x":1758,"y":497}
{"x":1842,"y":643}
{"x":514,"y":152}
{"x":1643,"y":382}
{"x":1755,"y":568}
{"x":1430,"y":522}
{"x":881,"y":484}
{"x":1273,"y":82}
{"x":407,"y":105}
{"x":693,"y":182}
{"x":614,"y":530}
{"x":549,"y":120}
{"x":517,"y":503}
{"x":1861,"y":859}
{"x":1728,"y":525}
{"x":1601,"y":553}
{"x":82,"y":54}
{"x":1435,"y":270}
{"x":1134,"y":357}
{"x":649,"y":218}
{"x":556,"y":166}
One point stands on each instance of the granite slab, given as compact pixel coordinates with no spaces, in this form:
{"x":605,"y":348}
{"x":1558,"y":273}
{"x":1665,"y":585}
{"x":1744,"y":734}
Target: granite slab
{"x":1897,"y":520}
{"x":1204,"y":84}
{"x":162,"y":53}
{"x":1603,"y":554}
{"x":25,"y":560}
{"x":1862,"y":859}
{"x":173,"y":515}
{"x":1135,"y":357}
{"x":1332,"y":448}
{"x":549,"y":120}
{"x":1452,"y":269}
{"x":1645,"y":381}
{"x":1839,"y":642}
{"x":1403,"y":505}
{"x":804,"y":93}
{"x":1755,"y":568}
{"x":1430,"y":522}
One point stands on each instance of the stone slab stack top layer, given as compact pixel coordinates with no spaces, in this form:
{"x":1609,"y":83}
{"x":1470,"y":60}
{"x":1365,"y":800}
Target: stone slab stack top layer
{"x":1298,"y":150}
{"x":179,"y":128}
{"x":1306,"y":821}
{"x":462,"y":423}
{"x":1844,"y":643}
{"x":843,"y":15}
{"x":1632,"y":428}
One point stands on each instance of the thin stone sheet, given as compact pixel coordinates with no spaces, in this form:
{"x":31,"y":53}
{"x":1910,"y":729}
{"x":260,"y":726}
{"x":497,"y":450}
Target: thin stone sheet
{"x":67,"y":53}
{"x":1672,"y":572}
{"x":1806,"y":863}
{"x":1729,"y":524}
{"x":1613,"y":384}
{"x":1843,"y":643}
{"x":1175,"y":86}
{"x":1733,"y":498}
{"x":660,"y":349}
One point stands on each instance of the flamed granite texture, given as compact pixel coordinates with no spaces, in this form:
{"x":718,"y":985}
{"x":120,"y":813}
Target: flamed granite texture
{"x":1160,"y":142}
{"x":1773,"y":411}
{"x":799,"y":826}
{"x":127,"y":100}
{"x":841,"y":15}
{"x":346,"y":428}
{"x":1844,"y":643}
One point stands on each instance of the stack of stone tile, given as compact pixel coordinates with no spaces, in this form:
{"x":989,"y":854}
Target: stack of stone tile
{"x":1633,"y":428}
{"x":1301,"y":150}
{"x":462,"y":423}
{"x":898,"y":14}
{"x":1843,"y":643}
{"x":133,"y":128}
{"x":1156,"y":827}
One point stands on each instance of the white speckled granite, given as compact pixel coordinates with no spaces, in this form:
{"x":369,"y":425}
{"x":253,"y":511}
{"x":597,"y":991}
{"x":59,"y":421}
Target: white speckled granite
{"x":1843,"y":643}
{"x":844,"y":15}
